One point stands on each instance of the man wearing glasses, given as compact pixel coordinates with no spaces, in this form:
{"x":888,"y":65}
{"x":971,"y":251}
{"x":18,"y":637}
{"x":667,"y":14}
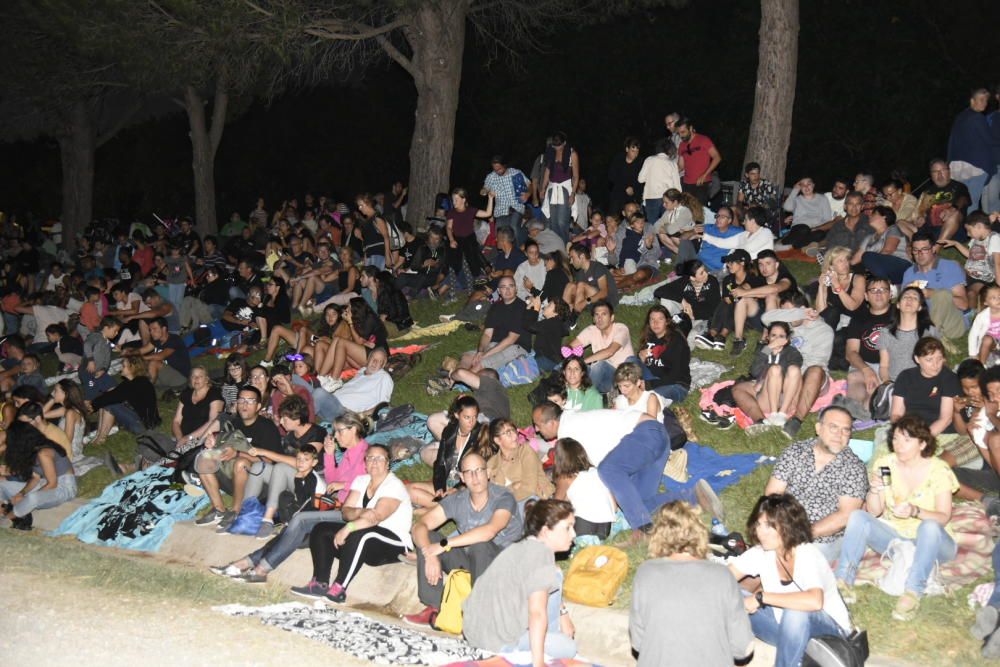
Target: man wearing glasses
{"x":942,"y":282}
{"x":488,"y":522}
{"x":503,"y":332}
{"x":862,"y":347}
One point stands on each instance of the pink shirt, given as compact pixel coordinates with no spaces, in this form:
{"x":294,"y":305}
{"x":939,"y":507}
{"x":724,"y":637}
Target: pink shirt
{"x":592,"y":337}
{"x":352,"y":465}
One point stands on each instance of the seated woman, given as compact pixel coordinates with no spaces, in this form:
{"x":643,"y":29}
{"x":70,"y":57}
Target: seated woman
{"x":665,"y":356}
{"x":770,"y":397}
{"x":679,"y":220}
{"x":581,"y":394}
{"x":516,"y":604}
{"x":199,"y":406}
{"x":281,"y":388}
{"x":40,"y":476}
{"x":928,"y":390}
{"x":909,"y":499}
{"x":367,"y":332}
{"x":275,"y":309}
{"x":348,"y":279}
{"x":702,"y":620}
{"x":393,"y":308}
{"x":330,"y":326}
{"x":516,"y":465}
{"x":67,"y":405}
{"x":132,"y":404}
{"x":841,"y":291}
{"x":883,"y":253}
{"x":378,"y":518}
{"x":695,"y":293}
{"x":910,"y":322}
{"x":796,"y":598}
{"x":577,"y":481}
{"x":463,"y":433}
{"x":260,"y":379}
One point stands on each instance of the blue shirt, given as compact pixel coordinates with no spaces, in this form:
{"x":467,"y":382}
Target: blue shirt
{"x":945,"y":274}
{"x":712,"y":255}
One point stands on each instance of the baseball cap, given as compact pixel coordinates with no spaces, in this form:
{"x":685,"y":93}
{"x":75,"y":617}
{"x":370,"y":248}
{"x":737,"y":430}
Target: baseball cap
{"x":738,"y":255}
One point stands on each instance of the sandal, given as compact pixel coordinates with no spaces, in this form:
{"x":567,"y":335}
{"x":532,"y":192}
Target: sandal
{"x":906,"y":608}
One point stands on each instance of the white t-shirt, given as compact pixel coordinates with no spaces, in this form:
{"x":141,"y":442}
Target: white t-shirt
{"x":811,"y":571}
{"x":364,"y":392}
{"x":599,"y":431}
{"x":44,"y":316}
{"x":621,"y":402}
{"x":591,"y":500}
{"x":536,"y":274}
{"x":400,"y":521}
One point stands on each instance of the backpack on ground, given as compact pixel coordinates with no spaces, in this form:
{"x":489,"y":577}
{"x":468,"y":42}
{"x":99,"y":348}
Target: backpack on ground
{"x":249,"y":519}
{"x":595,"y":575}
{"x":457,"y":587}
{"x":154,"y":447}
{"x":837,"y":651}
{"x":880,"y":404}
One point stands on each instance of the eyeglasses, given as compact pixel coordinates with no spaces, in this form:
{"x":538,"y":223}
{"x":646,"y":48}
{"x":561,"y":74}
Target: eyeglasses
{"x":246,"y":401}
{"x":343,"y":428}
{"x":474,"y":472}
{"x":877,"y":290}
{"x":508,"y":431}
{"x":375,"y":459}
{"x":923,"y":250}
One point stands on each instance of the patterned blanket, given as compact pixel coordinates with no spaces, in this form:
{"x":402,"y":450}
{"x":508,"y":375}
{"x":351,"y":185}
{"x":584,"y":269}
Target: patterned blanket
{"x":136,"y":512}
{"x":360,"y":636}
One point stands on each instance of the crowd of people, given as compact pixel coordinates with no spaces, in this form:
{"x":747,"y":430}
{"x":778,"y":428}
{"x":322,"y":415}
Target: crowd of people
{"x":887,"y":308}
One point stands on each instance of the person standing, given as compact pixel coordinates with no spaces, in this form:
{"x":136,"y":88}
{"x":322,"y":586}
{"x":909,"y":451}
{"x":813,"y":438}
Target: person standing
{"x":462,"y":234}
{"x":700,"y":160}
{"x":510,"y":186}
{"x":659,"y":173}
{"x":970,"y":147}
{"x":623,"y":177}
{"x":559,"y":183}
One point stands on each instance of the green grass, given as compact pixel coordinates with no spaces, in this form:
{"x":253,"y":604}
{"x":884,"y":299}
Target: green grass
{"x":937,"y":636}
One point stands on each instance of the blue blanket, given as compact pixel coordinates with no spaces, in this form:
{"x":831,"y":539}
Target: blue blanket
{"x":136,"y":512}
{"x":706,"y":463}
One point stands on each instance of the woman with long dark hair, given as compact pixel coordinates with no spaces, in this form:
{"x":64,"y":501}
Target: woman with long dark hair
{"x":392,"y":305}
{"x":41,"y":475}
{"x":797,"y":597}
{"x":559,"y":183}
{"x":665,"y":353}
{"x":374,"y":233}
{"x":581,"y":394}
{"x":69,"y":407}
{"x":910,"y":322}
{"x":367,"y":333}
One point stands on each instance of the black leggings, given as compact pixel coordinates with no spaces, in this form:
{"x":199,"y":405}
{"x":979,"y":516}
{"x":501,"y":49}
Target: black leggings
{"x":468,"y":247}
{"x":800,"y":236}
{"x":368,"y":546}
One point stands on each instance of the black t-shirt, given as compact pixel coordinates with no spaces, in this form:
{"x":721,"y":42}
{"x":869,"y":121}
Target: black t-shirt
{"x":194,"y":414}
{"x":130,"y":272}
{"x":241,"y":310}
{"x":280,"y":312}
{"x":729,"y":284}
{"x":291,"y":442}
{"x":189,"y":240}
{"x":409,"y":251}
{"x":505,"y":318}
{"x":262,"y":434}
{"x":548,"y":335}
{"x":923,"y":395}
{"x":867,"y":328}
{"x":703,"y":302}
{"x":180,"y":360}
{"x":216,"y":293}
{"x":669,"y":360}
{"x":950,"y":193}
{"x":71,"y":345}
{"x":785,"y":273}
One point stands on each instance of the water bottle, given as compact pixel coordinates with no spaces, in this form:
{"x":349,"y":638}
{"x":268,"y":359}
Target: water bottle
{"x":718,"y":528}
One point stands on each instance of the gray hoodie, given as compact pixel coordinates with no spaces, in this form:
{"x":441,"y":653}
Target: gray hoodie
{"x":814,"y":340}
{"x":97,"y":347}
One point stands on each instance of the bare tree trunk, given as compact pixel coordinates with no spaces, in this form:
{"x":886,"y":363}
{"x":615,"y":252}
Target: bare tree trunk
{"x":77,"y":147}
{"x":437,"y":37}
{"x":204,"y":145}
{"x":771,"y":127}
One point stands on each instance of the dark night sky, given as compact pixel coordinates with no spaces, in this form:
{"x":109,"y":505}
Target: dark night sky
{"x":878,"y":86}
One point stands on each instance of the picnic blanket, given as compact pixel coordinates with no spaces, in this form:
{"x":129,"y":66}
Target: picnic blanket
{"x":135,"y":512}
{"x":360,"y":636}
{"x":643,"y":296}
{"x":974,"y":536}
{"x":719,"y":470}
{"x":441,"y":329}
{"x":707,"y":401}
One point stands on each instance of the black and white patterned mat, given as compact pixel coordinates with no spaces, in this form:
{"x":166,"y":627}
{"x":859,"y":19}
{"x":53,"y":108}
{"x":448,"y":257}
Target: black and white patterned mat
{"x":360,"y":636}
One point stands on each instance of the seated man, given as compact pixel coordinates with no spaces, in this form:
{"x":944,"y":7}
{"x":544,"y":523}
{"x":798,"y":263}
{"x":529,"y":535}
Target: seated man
{"x":942,"y":206}
{"x":166,"y":356}
{"x":826,"y":477}
{"x":755,"y":300}
{"x":862,"y":346}
{"x":261,"y":433}
{"x":370,"y":387}
{"x":610,"y":345}
{"x":242,"y":315}
{"x":592,"y":281}
{"x":486,"y":388}
{"x":850,"y":230}
{"x":507,"y":258}
{"x":943,"y":283}
{"x":504,"y":337}
{"x":814,"y":339}
{"x":486,"y":520}
{"x":425,"y":269}
{"x":548,"y":241}
{"x":156,"y":306}
{"x":712,"y":256}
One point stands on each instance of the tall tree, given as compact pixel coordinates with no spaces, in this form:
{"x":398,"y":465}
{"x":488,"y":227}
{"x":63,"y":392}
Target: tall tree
{"x":774,"y":99}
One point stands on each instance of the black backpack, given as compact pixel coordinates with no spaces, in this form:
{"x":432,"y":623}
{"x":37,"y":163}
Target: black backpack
{"x":675,"y":432}
{"x":837,"y":651}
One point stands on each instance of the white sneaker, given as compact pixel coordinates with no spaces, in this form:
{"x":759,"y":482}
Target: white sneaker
{"x":114,"y":429}
{"x":264,"y":363}
{"x":776,"y":419}
{"x":781,"y":247}
{"x":446,"y":318}
{"x":329,"y":383}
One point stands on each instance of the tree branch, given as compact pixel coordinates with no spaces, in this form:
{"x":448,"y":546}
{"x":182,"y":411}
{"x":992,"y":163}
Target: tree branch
{"x":350,"y":30}
{"x":219,"y":109}
{"x":400,"y":58}
{"x":119,"y":124}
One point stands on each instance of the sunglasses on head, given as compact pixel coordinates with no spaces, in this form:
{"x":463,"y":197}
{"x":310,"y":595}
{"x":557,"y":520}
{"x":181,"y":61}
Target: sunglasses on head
{"x":294,"y":357}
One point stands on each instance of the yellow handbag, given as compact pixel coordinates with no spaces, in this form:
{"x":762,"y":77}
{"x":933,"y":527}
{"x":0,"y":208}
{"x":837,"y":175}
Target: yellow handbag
{"x":595,"y":575}
{"x":457,"y":588}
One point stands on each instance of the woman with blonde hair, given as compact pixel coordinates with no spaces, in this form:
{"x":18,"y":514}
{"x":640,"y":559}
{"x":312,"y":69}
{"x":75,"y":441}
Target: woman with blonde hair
{"x":686,"y":610}
{"x":841,"y":291}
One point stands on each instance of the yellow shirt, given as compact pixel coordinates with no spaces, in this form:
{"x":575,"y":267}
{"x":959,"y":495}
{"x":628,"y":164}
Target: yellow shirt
{"x":939,"y":478}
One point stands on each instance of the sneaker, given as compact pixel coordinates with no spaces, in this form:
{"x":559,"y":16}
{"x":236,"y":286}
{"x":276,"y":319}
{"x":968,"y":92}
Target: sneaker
{"x":709,"y":500}
{"x":266,"y":530}
{"x":225,"y":570}
{"x":782,"y":247}
{"x":758,"y":428}
{"x":425,"y":617}
{"x":226,"y":521}
{"x":264,"y":363}
{"x":337,"y":593}
{"x":738,"y":346}
{"x":574,"y":319}
{"x":330,"y":383}
{"x":778,"y":419}
{"x":213,"y":517}
{"x":718,"y":344}
{"x":445,"y":318}
{"x":987,"y":621}
{"x":847,"y":593}
{"x":906,"y":607}
{"x":709,"y":416}
{"x":22,"y":522}
{"x":791,"y":427}
{"x":811,"y":249}
{"x":704,"y":341}
{"x":725,"y":422}
{"x":314,"y":589}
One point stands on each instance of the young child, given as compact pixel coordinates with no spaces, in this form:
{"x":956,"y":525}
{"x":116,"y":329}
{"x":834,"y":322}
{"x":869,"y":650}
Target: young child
{"x":982,"y":264}
{"x":633,"y":395}
{"x":985,"y":331}
{"x":94,"y":377}
{"x":600,"y":250}
{"x":90,"y":311}
{"x":178,"y":274}
{"x":595,"y":231}
{"x":977,"y":414}
{"x":777,"y":371}
{"x":69,"y":349}
{"x":31,"y":375}
{"x":969,"y":417}
{"x":549,"y":332}
{"x":303,"y":373}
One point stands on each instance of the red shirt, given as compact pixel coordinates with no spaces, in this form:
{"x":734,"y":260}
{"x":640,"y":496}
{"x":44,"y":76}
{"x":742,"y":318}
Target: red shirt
{"x":696,"y":157}
{"x":144,"y":258}
{"x":463,"y":224}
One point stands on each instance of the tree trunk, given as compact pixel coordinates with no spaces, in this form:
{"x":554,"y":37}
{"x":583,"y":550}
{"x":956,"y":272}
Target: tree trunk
{"x":771,"y":127}
{"x":204,"y":145}
{"x":77,"y":147}
{"x":437,"y":37}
